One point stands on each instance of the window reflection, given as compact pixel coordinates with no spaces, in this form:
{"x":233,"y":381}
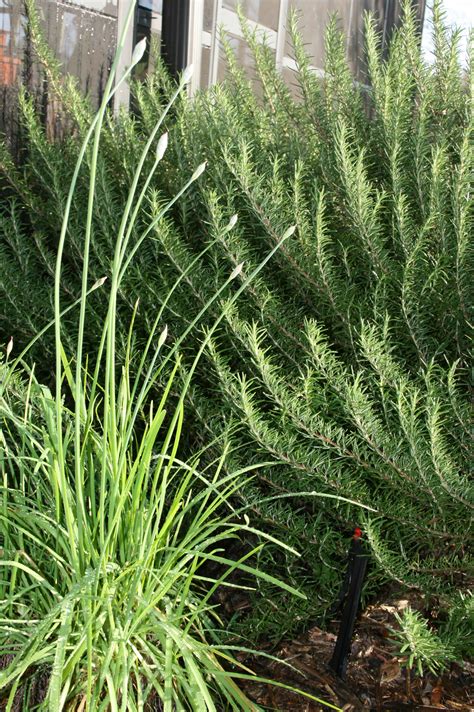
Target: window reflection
{"x":153,"y":5}
{"x":108,"y":7}
{"x":265,"y":12}
{"x":205,"y":67}
{"x":148,"y":24}
{"x":243,"y":54}
{"x":316,"y":16}
{"x":11,"y":35}
{"x":208,"y":19}
{"x":245,"y":60}
{"x":68,"y":34}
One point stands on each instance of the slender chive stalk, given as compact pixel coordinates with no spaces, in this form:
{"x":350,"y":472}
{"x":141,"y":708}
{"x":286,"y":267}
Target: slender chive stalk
{"x":117,"y":273}
{"x":59,"y":463}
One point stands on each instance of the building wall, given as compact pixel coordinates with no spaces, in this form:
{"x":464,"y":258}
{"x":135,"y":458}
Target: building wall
{"x":270,"y":16}
{"x":83,"y":35}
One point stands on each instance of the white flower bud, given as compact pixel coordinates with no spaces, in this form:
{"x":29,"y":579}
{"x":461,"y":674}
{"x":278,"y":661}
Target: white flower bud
{"x":289,"y":232}
{"x":138,"y":51}
{"x":99,"y":283}
{"x":232,"y":222}
{"x":236,"y":271}
{"x":200,"y":169}
{"x":162,"y":146}
{"x":163,"y":337}
{"x":187,"y":74}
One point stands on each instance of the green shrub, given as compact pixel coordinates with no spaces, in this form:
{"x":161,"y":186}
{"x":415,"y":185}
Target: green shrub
{"x":418,"y":645}
{"x":347,"y":363}
{"x":424,"y":648}
{"x":458,"y":628}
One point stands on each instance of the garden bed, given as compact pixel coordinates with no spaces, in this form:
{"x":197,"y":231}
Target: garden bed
{"x":375,"y":679}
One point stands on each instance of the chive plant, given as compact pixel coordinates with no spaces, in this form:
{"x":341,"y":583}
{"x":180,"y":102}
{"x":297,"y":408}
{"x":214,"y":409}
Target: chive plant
{"x":107,"y":535}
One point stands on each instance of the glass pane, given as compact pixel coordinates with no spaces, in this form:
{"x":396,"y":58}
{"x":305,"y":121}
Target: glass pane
{"x":83,"y":41}
{"x":69,"y":34}
{"x":208,"y":19}
{"x":244,"y":59}
{"x":313,"y":20}
{"x":108,"y":7}
{"x":12,"y":48}
{"x":11,"y":44}
{"x":148,"y":24}
{"x":205,"y":67}
{"x":154,"y":5}
{"x":243,"y":55}
{"x":314,"y":17}
{"x":265,"y":12}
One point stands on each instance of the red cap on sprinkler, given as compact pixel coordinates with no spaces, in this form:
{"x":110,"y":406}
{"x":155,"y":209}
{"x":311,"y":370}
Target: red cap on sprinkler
{"x":357,"y":533}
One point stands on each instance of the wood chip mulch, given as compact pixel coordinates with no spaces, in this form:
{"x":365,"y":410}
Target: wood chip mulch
{"x":375,"y":681}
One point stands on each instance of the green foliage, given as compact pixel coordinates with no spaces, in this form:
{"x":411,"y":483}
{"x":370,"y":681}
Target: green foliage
{"x":112,"y":545}
{"x":347,"y":363}
{"x":420,"y":646}
{"x":458,"y":628}
{"x":105,"y":591}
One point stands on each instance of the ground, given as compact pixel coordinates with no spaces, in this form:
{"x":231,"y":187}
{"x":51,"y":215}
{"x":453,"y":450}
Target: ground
{"x":375,"y":679}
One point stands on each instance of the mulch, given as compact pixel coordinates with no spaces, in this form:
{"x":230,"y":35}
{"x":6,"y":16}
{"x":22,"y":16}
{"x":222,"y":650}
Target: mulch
{"x":375,"y":680}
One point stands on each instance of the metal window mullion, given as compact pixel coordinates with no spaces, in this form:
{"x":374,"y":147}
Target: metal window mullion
{"x":122,"y":97}
{"x":281,"y":33}
{"x":215,"y":41}
{"x":385,"y":25}
{"x":349,"y":28}
{"x":231,"y":22}
{"x":196,"y":22}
